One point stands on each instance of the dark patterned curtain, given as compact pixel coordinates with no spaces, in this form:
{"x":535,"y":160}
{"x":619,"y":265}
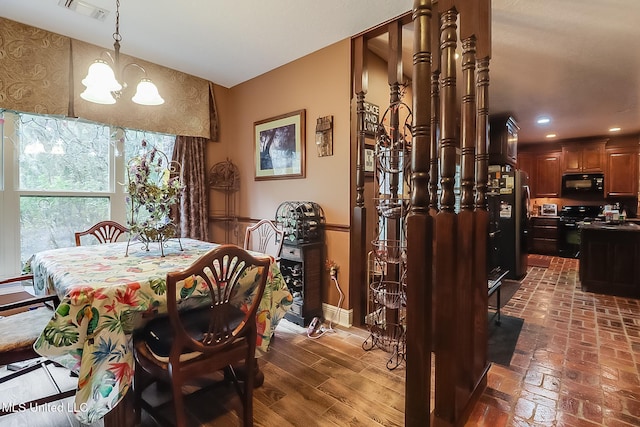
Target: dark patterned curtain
{"x":189,"y":151}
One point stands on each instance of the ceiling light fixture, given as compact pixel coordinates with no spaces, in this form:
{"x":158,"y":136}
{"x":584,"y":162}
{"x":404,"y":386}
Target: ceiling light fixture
{"x":543,"y":120}
{"x":551,"y":135}
{"x":104,"y":86}
{"x":614,"y":129}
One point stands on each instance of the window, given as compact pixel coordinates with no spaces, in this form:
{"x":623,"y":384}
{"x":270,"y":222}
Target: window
{"x":60,"y":176}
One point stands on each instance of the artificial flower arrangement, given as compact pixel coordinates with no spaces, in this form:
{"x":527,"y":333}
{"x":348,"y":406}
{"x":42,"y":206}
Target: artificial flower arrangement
{"x":154,"y":187}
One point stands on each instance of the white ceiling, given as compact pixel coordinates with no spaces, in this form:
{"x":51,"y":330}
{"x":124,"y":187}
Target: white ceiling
{"x":577,"y":61}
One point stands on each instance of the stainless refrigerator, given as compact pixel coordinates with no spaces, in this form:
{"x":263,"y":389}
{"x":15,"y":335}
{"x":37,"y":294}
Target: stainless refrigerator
{"x":508,"y":199}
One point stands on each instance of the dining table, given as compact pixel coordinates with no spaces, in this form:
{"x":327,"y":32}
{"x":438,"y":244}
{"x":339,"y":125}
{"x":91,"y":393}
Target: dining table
{"x":106,"y":294}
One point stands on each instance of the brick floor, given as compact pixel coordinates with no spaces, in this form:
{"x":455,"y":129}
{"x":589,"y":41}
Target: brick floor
{"x":577,"y":361}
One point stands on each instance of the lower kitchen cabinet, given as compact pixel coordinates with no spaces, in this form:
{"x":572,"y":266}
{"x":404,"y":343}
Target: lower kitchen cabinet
{"x":544,"y":235}
{"x":609,"y":260}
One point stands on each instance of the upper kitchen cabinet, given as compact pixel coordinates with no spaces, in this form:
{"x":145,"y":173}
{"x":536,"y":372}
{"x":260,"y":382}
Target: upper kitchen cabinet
{"x":527,"y":163}
{"x":545,"y":171}
{"x":503,"y":140}
{"x":621,"y":174}
{"x":583,"y":157}
{"x":548,"y":176}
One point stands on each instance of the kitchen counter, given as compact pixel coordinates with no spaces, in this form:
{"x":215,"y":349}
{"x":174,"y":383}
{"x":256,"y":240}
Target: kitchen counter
{"x":609,"y":255}
{"x":625,"y":226}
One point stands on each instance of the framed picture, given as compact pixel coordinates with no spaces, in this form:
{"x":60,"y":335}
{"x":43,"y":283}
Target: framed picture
{"x":279,"y":147}
{"x":369,"y":160}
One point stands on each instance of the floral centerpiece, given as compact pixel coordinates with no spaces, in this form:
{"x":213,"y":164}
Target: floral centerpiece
{"x":154,"y":187}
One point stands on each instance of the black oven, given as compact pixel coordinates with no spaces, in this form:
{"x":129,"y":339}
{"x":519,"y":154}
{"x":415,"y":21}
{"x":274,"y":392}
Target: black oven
{"x":571,"y":217}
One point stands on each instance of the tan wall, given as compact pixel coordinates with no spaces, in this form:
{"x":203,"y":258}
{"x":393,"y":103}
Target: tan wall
{"x":320,"y":84}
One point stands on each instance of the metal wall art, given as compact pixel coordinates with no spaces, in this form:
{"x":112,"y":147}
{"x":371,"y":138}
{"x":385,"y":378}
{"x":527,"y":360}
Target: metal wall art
{"x":324,"y":136}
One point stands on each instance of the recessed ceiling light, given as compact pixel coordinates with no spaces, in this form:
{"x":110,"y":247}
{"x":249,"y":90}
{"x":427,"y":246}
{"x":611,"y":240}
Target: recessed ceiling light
{"x":551,"y":135}
{"x":614,"y":129}
{"x":543,"y":120}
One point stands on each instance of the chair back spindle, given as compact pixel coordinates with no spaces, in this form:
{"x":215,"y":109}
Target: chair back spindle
{"x":104,"y":232}
{"x":264,"y":237}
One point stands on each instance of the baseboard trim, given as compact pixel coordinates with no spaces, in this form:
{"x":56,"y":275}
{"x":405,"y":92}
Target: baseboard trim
{"x":342,"y":316}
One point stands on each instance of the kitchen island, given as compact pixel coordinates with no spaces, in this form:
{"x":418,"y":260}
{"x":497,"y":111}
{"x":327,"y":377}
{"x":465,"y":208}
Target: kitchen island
{"x":610,"y":258}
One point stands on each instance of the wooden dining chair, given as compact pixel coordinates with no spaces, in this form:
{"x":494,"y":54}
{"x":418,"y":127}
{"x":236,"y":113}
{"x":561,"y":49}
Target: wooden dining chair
{"x":104,"y":232}
{"x":21,"y":322}
{"x":264,"y":237}
{"x":195,"y":342}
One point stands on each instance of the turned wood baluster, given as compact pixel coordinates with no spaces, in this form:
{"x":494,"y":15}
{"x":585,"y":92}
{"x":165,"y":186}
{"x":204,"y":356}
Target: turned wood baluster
{"x":359,"y":247}
{"x":468,"y":149}
{"x":480,"y":299}
{"x":393,"y":225}
{"x":435,"y":125}
{"x":419,"y":231}
{"x":482,"y":156}
{"x":483,"y":52}
{"x":435,"y":109}
{"x":466,"y":223}
{"x":445,"y":227}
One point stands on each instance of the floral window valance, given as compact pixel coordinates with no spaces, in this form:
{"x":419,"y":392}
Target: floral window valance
{"x":41,"y":72}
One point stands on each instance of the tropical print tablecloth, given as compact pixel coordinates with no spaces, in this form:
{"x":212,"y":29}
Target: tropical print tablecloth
{"x":105,"y":296}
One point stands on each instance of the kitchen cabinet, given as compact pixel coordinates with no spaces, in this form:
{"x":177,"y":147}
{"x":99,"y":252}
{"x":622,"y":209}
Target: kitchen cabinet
{"x":503,"y":140}
{"x":527,"y":163}
{"x":544,"y":170}
{"x":609,"y":259}
{"x":621,"y":173}
{"x":547,"y":181}
{"x":544,"y":235}
{"x":583,"y":157}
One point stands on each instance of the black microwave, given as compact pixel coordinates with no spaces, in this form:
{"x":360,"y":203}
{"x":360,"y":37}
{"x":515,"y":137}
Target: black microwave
{"x":590,"y":183}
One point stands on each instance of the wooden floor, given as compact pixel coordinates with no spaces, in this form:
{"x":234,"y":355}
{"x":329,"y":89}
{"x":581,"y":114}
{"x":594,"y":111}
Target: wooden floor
{"x":576,"y":364}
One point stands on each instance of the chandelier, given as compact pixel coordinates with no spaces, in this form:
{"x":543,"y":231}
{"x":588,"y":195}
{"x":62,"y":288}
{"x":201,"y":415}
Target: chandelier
{"x":105,"y":86}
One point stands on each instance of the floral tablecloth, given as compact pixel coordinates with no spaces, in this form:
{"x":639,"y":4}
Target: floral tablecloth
{"x":105,"y":296}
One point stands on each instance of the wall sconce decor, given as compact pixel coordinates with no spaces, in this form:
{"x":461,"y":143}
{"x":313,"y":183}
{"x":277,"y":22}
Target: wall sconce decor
{"x":105,"y":86}
{"x":324,"y":136}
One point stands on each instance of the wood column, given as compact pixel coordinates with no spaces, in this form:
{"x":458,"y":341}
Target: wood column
{"x":435,"y":109}
{"x":394,"y":78}
{"x":446,"y":309}
{"x":420,"y":231}
{"x":480,"y":298}
{"x":466,"y":226}
{"x":358,"y":247}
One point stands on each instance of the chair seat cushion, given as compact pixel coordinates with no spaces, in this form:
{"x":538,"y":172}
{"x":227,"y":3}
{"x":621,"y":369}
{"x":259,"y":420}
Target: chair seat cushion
{"x":21,"y":330}
{"x":158,"y":334}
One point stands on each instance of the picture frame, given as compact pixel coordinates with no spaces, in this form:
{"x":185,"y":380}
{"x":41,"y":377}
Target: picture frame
{"x":279,"y":147}
{"x":369,"y":160}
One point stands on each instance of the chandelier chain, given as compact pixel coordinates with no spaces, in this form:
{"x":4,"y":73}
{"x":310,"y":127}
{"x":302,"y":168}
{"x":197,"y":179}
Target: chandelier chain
{"x":116,"y":36}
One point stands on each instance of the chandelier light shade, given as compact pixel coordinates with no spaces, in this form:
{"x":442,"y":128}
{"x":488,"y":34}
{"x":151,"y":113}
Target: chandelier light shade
{"x":147,"y":93}
{"x":105,"y":86}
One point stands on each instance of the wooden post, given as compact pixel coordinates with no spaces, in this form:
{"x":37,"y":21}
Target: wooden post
{"x":420,"y":232}
{"x":483,"y":49}
{"x":446,"y":311}
{"x":358,"y":249}
{"x":393,"y":225}
{"x":466,"y":226}
{"x":435,"y":109}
